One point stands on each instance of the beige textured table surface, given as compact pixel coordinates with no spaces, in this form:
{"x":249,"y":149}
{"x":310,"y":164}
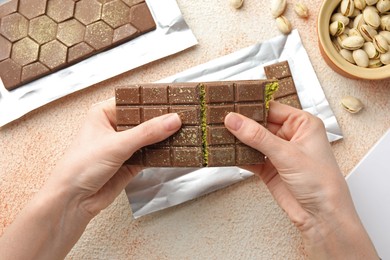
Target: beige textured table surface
{"x":239,"y":222}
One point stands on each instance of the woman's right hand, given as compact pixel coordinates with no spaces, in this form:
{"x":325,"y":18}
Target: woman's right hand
{"x":303,"y":176}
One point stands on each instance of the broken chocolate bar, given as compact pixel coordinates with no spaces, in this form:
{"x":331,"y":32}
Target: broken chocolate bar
{"x":203,"y":139}
{"x":38,"y":37}
{"x":287,"y":92}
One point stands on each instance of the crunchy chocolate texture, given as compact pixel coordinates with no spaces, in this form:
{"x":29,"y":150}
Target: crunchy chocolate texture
{"x":287,"y":92}
{"x":203,"y":139}
{"x":38,"y":37}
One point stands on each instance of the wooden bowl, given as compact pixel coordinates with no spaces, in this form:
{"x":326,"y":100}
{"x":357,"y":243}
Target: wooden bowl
{"x":333,"y":58}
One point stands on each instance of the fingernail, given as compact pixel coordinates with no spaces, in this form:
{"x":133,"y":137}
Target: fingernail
{"x":233,"y":121}
{"x":171,"y":122}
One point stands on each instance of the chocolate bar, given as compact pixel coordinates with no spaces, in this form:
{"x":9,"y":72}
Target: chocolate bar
{"x":38,"y":37}
{"x":287,"y":92}
{"x":203,"y":139}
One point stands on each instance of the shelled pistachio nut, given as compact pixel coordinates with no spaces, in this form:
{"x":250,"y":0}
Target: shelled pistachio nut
{"x":360,"y":4}
{"x":374,"y":63}
{"x":347,"y":7}
{"x":371,"y":17}
{"x":301,"y":10}
{"x":361,"y":58}
{"x":278,"y":7}
{"x":371,"y":2}
{"x":352,"y":104}
{"x":347,"y":55}
{"x":367,"y":32}
{"x":380,"y":43}
{"x":339,"y":17}
{"x":383,"y":6}
{"x":385,"y":58}
{"x":352,"y":43}
{"x":336,"y":28}
{"x":371,"y":51}
{"x":283,"y":24}
{"x":236,"y":3}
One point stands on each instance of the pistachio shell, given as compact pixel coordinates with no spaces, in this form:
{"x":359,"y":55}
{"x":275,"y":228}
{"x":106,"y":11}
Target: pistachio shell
{"x":347,"y":55}
{"x":361,"y":58}
{"x":356,"y":12}
{"x":353,"y":32}
{"x":385,"y":58}
{"x":353,"y":43}
{"x":358,"y":21}
{"x":336,"y":45}
{"x":375,"y":63}
{"x":301,"y":10}
{"x":336,"y":28}
{"x":371,"y":17}
{"x":371,"y":2}
{"x":236,"y":3}
{"x":380,"y":43}
{"x":283,"y":24}
{"x":352,"y":104}
{"x":383,"y":6}
{"x":360,"y":4}
{"x":339,"y":17}
{"x":341,"y":38}
{"x":278,"y":7}
{"x":370,"y":49}
{"x":385,"y":22}
{"x":386,"y":35}
{"x":347,"y":7}
{"x":367,"y":32}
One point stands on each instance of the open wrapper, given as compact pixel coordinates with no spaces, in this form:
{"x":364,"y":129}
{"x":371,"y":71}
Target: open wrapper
{"x":172,"y":35}
{"x":155,"y":189}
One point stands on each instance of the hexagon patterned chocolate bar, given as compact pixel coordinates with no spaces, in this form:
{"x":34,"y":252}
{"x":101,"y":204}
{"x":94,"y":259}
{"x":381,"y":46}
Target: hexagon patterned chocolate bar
{"x":38,"y":37}
{"x":203,"y":139}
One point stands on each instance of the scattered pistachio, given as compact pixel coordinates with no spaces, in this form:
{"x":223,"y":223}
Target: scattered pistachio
{"x":278,"y":7}
{"x":352,"y":104}
{"x":301,"y":10}
{"x":283,"y":24}
{"x":236,"y":3}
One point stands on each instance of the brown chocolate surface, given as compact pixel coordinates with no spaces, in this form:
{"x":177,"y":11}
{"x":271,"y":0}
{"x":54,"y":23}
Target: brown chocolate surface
{"x":38,"y":37}
{"x":202,"y":108}
{"x":287,"y":92}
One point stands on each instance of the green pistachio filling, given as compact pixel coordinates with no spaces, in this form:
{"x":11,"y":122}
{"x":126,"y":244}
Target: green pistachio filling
{"x":204,"y":123}
{"x":270,"y":89}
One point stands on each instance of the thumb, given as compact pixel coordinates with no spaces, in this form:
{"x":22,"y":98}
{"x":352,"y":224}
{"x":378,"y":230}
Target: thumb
{"x":149,"y":132}
{"x":255,"y":135}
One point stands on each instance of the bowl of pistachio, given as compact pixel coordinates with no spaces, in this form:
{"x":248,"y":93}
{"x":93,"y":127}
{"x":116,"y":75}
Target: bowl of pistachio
{"x":354,"y":37}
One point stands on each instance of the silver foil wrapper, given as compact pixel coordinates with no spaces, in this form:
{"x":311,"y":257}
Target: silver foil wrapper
{"x":172,"y":35}
{"x":155,"y":189}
